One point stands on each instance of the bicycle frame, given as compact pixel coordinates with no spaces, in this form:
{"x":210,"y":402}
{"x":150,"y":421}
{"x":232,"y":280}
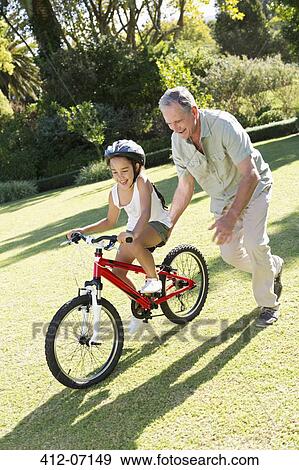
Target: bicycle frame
{"x":101,"y":269}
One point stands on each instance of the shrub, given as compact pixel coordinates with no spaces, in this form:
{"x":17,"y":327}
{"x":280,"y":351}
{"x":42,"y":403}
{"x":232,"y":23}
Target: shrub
{"x":244,"y":86}
{"x":271,"y":115}
{"x":97,"y":171}
{"x":83,"y":120}
{"x":19,"y":155}
{"x":13,"y":190}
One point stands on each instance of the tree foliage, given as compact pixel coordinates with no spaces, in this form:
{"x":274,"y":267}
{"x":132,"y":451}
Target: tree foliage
{"x":249,"y":36}
{"x":287,"y":12}
{"x":249,"y":87}
{"x":6,"y":64}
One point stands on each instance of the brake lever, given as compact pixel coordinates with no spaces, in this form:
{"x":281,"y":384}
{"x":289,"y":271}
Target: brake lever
{"x":110,"y":246}
{"x":67,"y":242}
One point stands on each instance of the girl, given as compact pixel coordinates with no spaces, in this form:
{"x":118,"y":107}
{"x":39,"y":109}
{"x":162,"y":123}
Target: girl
{"x":148,"y":220}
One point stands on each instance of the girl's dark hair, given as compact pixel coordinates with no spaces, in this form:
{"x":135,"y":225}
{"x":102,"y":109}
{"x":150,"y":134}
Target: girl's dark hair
{"x":161,"y":197}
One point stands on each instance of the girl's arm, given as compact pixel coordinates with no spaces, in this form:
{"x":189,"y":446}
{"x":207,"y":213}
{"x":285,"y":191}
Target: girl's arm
{"x":145,"y":192}
{"x":103,"y":224}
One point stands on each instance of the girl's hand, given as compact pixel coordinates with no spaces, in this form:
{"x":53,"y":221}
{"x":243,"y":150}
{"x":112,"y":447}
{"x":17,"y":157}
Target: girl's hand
{"x":70,"y":233}
{"x":123,"y":235}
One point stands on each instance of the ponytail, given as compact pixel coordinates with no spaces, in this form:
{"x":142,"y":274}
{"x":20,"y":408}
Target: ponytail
{"x":161,"y":197}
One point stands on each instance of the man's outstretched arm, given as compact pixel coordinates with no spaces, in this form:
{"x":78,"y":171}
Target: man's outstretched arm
{"x":182,"y":197}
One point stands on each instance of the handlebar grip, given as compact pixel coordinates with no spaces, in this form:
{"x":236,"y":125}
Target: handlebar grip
{"x":76,"y":237}
{"x":129,"y":239}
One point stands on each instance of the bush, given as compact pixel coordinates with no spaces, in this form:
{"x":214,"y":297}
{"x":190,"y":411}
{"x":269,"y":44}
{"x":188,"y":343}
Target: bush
{"x":97,"y":171}
{"x":269,"y":116}
{"x":37,"y":143}
{"x":244,"y":86}
{"x":14,"y":190}
{"x":83,"y":120}
{"x":19,"y":155}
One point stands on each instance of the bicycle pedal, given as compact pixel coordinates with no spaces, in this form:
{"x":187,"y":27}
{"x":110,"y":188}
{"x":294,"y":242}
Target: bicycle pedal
{"x":152,"y":294}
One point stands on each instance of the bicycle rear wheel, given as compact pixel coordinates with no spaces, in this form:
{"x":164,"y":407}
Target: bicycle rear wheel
{"x":186,"y":261}
{"x":72,"y":361}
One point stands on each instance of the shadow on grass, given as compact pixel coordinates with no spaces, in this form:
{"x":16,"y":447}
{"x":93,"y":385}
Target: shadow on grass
{"x":74,"y":420}
{"x":27,"y":202}
{"x":280,"y":152}
{"x":284,"y":243}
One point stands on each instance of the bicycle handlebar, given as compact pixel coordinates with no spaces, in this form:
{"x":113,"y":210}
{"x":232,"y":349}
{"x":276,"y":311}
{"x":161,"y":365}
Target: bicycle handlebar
{"x":77,"y":236}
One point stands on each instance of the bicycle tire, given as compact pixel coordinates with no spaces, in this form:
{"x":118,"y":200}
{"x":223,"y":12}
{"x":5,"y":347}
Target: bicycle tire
{"x":60,"y":366}
{"x":195,"y":297}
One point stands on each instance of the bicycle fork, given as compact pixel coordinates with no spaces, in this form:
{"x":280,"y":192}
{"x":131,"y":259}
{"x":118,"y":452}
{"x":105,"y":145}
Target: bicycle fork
{"x":96,"y":313}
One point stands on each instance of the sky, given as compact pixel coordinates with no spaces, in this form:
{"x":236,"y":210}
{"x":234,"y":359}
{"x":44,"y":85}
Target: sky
{"x":209,"y":10}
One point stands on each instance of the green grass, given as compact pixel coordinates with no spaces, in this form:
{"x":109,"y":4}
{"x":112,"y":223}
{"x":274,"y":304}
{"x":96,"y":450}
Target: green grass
{"x":217,"y":383}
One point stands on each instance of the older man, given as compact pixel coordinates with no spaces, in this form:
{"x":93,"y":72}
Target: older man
{"x":212,"y":148}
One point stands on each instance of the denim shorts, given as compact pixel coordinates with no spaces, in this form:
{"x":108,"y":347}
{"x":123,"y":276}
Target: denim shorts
{"x":162,"y":230}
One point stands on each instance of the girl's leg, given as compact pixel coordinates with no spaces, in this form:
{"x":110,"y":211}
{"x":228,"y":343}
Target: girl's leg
{"x":124,"y":255}
{"x":138,"y":249}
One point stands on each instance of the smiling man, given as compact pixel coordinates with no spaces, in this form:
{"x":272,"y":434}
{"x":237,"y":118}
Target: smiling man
{"x":211,"y":147}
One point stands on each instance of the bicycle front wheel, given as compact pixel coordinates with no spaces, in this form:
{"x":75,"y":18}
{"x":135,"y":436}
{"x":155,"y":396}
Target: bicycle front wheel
{"x":186,"y":261}
{"x":71,"y":359}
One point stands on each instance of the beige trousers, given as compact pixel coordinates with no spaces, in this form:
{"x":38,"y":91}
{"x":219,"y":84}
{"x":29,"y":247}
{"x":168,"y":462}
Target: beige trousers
{"x":249,"y":250}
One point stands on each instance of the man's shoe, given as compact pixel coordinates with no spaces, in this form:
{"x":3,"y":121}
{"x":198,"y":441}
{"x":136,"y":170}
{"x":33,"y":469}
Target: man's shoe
{"x":277,"y":283}
{"x":268,"y":316}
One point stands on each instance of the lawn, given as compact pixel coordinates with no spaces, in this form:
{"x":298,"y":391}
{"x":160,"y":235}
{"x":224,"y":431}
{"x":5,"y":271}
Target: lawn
{"x":217,"y":383}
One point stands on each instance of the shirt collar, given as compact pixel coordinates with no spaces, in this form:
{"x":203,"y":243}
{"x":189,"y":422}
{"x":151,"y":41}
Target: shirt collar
{"x":204,"y":126}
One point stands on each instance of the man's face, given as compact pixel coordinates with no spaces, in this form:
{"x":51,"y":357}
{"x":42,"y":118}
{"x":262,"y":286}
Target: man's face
{"x":180,"y":121}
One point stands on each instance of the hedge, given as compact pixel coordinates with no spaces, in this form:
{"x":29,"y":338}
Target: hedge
{"x":57,"y":181}
{"x":274,"y":130}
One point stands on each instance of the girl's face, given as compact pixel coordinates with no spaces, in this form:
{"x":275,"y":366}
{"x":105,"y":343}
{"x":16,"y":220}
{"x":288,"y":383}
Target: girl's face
{"x":122,"y":171}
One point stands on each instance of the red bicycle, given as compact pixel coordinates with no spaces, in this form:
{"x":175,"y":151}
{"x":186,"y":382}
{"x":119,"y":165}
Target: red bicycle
{"x":85,"y":338}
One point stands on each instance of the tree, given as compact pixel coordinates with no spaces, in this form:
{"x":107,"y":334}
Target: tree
{"x":287,"y":12}
{"x":43,"y":22}
{"x":24,"y":83}
{"x":249,"y":36}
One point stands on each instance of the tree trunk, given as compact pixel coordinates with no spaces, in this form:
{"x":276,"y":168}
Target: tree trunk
{"x":45,"y":26}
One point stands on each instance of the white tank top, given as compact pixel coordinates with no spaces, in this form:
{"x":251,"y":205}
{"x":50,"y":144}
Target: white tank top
{"x":133,"y":209}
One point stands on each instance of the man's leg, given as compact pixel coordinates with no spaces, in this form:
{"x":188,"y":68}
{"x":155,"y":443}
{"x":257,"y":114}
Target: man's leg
{"x":265,"y":266}
{"x":249,"y":251}
{"x":234,"y":252}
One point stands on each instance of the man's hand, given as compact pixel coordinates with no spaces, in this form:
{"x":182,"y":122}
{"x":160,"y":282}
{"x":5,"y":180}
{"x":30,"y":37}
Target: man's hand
{"x":224,"y":228}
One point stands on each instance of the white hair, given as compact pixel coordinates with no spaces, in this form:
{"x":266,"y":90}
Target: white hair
{"x":179,"y":95}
